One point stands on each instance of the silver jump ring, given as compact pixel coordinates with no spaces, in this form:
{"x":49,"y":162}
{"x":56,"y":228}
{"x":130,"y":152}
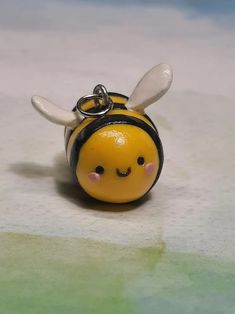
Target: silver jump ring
{"x":84,"y":99}
{"x":101,"y":90}
{"x":100,"y":93}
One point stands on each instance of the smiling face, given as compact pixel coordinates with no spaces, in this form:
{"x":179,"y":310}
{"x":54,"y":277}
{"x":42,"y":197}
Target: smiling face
{"x":118,"y":163}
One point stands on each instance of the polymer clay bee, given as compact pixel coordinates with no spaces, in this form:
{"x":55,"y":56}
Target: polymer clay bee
{"x":113,"y":148}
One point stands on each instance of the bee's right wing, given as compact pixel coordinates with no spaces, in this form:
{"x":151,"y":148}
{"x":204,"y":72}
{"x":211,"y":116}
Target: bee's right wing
{"x":153,"y":85}
{"x":54,"y":113}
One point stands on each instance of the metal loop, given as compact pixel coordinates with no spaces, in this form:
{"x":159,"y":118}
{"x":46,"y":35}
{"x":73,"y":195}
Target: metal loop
{"x":101,"y":90}
{"x":100,"y":94}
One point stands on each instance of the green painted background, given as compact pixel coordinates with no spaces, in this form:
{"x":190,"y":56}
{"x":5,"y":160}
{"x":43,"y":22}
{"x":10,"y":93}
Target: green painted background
{"x":67,"y":275}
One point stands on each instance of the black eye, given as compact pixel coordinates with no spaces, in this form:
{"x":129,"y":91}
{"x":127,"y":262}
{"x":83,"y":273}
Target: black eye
{"x":140,"y":160}
{"x":99,"y":170}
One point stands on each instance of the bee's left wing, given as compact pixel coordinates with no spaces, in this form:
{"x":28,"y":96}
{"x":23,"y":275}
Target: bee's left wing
{"x":54,"y":113}
{"x":154,"y":84}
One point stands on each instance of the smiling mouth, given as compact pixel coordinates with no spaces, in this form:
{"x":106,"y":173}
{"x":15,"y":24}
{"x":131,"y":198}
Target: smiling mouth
{"x":123,"y":173}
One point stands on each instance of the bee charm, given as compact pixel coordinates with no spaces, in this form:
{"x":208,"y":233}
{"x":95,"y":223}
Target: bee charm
{"x":113,"y":148}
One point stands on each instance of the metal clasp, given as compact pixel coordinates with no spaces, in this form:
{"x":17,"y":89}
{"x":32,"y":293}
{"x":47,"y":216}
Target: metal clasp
{"x":103,"y":103}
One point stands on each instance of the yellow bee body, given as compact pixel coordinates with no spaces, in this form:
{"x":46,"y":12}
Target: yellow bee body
{"x":117,"y":157}
{"x":112,"y":146}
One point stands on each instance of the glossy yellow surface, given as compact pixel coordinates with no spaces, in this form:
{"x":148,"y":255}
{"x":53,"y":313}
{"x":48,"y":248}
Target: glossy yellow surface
{"x":117,"y":147}
{"x":89,"y":120}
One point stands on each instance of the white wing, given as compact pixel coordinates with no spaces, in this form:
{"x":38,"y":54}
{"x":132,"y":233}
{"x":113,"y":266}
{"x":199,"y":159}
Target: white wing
{"x":54,"y":113}
{"x":154,"y":84}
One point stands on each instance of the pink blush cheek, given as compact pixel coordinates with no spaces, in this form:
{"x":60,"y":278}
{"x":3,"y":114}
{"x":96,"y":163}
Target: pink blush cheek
{"x":94,"y":177}
{"x":149,"y":168}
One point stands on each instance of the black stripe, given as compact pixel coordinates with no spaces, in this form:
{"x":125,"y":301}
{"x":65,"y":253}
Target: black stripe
{"x":67,"y":137}
{"x":150,"y":120}
{"x":119,"y":106}
{"x":109,"y":120}
{"x":115,"y":106}
{"x":118,"y":95}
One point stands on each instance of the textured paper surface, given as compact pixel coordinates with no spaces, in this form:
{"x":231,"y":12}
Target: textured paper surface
{"x":61,"y":51}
